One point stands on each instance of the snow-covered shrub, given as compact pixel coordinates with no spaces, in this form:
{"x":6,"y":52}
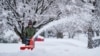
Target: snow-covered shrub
{"x":10,"y":36}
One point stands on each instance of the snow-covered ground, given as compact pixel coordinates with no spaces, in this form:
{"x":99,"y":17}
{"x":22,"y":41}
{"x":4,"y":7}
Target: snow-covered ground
{"x":51,"y":47}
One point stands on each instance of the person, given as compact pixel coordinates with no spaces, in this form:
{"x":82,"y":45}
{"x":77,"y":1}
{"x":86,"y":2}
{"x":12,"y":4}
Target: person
{"x":29,"y":31}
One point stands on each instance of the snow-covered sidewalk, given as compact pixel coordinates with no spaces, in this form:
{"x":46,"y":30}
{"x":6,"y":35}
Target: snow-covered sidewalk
{"x":51,"y":47}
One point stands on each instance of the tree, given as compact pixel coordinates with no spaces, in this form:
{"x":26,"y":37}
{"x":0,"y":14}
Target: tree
{"x":21,"y":10}
{"x":90,"y":36}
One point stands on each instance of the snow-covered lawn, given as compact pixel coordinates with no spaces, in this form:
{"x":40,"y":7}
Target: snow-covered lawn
{"x":51,"y":47}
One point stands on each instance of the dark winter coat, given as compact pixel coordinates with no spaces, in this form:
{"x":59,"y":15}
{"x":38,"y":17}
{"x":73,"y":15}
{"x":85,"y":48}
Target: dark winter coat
{"x":29,"y":32}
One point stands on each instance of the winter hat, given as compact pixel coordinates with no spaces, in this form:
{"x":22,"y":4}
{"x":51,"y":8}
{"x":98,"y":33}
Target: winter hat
{"x":30,"y":22}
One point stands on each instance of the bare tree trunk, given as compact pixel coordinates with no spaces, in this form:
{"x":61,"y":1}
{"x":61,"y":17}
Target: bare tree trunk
{"x":90,"y":41}
{"x":59,"y":35}
{"x":71,"y":35}
{"x":90,"y":36}
{"x":97,"y":33}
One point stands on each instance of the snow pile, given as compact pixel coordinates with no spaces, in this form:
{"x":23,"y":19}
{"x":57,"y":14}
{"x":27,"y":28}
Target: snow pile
{"x":9,"y":48}
{"x":51,"y":47}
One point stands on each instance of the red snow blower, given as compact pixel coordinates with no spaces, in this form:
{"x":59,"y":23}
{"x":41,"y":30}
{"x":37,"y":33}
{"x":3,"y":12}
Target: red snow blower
{"x":31,"y":45}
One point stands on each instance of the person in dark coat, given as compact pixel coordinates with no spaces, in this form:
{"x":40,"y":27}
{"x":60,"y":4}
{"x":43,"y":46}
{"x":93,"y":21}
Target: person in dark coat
{"x":29,"y":31}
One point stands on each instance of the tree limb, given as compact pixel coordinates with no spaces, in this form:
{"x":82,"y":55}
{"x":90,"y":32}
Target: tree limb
{"x":45,"y":7}
{"x":16,"y":14}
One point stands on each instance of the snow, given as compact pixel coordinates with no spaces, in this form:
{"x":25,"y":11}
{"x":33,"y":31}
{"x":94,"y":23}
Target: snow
{"x":9,"y":48}
{"x":57,"y":22}
{"x":47,"y":26}
{"x":51,"y":47}
{"x":10,"y":36}
{"x":10,"y":33}
{"x":73,"y":17}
